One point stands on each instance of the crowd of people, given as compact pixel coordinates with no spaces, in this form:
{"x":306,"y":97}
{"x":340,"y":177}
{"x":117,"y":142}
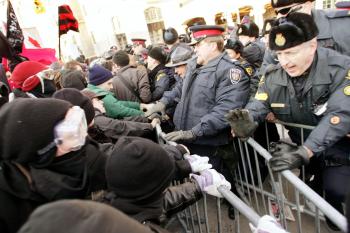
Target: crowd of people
{"x":85,"y":129}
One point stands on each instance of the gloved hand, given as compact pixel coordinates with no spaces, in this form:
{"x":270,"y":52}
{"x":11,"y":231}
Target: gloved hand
{"x":241,"y":123}
{"x":286,"y":156}
{"x":267,"y":224}
{"x":152,"y":108}
{"x":198,"y":163}
{"x":180,"y":135}
{"x":210,"y":180}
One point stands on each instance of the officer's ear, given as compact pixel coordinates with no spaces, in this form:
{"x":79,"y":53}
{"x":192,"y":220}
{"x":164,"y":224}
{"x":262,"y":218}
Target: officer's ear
{"x":313,"y":44}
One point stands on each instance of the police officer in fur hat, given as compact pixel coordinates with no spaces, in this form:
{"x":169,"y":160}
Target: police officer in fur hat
{"x":254,"y":50}
{"x":330,"y":23}
{"x":311,"y":86}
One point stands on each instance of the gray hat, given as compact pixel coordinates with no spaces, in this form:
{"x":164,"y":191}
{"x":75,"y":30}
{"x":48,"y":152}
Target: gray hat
{"x":180,"y":56}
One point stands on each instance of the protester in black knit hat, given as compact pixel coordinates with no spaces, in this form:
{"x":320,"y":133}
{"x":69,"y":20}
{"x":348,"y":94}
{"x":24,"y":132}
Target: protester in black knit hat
{"x":84,"y":216}
{"x":74,"y":96}
{"x":160,"y":77}
{"x":73,"y":79}
{"x":138,"y":174}
{"x":40,"y":161}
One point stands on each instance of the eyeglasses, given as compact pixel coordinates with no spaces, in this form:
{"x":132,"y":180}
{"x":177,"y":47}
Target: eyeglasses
{"x":288,"y":10}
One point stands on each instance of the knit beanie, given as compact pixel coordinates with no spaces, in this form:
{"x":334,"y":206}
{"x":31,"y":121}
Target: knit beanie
{"x":25,"y":70}
{"x":158,"y":54}
{"x":138,"y":169}
{"x":76,"y":98}
{"x":81,"y":216}
{"x":73,"y":79}
{"x":27,"y":129}
{"x":121,"y":58}
{"x":99,"y":75}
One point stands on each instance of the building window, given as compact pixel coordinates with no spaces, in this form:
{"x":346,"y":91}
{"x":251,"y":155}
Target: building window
{"x":328,"y":4}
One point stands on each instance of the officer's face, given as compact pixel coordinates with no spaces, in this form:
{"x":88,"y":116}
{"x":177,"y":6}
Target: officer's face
{"x":296,"y":60}
{"x":180,"y":70}
{"x":203,"y":50}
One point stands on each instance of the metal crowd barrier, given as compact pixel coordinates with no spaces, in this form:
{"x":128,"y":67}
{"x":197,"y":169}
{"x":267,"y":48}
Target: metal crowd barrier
{"x":259,"y":196}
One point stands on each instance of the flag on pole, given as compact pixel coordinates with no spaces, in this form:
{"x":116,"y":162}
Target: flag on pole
{"x":66,"y":20}
{"x":14,"y":32}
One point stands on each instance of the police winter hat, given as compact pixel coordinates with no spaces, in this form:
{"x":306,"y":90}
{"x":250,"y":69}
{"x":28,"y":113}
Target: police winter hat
{"x":27,"y":127}
{"x":170,"y":36}
{"x":200,"y":32}
{"x":292,"y":30}
{"x":99,"y":75}
{"x":180,"y":56}
{"x":74,"y":97}
{"x":25,"y":70}
{"x":139,"y":169}
{"x":282,"y":3}
{"x":268,"y":24}
{"x":158,"y":54}
{"x":248,"y":29}
{"x":235,"y":45}
{"x":121,"y":58}
{"x":84,"y":216}
{"x":73,"y":79}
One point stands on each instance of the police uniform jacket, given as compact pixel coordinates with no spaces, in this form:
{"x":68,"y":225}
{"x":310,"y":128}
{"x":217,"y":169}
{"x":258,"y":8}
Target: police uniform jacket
{"x":332,"y":26}
{"x":325,"y":102}
{"x":206,"y":95}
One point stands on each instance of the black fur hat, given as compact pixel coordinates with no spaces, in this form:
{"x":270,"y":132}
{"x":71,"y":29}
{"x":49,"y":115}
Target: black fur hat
{"x":268,"y":24}
{"x":282,"y":3}
{"x":248,"y":29}
{"x":292,"y":30}
{"x":170,"y":36}
{"x":158,"y":54}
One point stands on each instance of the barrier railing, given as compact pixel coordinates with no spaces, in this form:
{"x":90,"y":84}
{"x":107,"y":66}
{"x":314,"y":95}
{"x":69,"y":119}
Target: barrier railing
{"x":259,"y":196}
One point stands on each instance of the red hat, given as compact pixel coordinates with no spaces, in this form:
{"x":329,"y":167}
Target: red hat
{"x":201,"y":32}
{"x":138,"y":41}
{"x":25,"y":70}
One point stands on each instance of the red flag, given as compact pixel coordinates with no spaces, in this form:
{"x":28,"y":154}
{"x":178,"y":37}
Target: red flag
{"x":14,"y":32}
{"x":66,"y":20}
{"x":34,"y":42}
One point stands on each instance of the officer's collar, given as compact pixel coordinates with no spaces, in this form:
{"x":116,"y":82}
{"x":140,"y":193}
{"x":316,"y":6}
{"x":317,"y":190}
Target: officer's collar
{"x":321,"y":69}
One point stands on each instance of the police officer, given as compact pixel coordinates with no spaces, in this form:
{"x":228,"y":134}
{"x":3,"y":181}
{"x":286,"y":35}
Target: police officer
{"x":253,"y":50}
{"x":311,"y":85}
{"x":330,"y":23}
{"x":213,"y":84}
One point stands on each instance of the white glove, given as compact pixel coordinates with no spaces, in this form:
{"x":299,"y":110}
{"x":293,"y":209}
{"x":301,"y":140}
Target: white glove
{"x":267,"y":224}
{"x":198,"y":163}
{"x":210,"y":180}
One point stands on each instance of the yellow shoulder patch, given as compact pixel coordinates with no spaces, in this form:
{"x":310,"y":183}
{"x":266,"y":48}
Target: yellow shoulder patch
{"x":335,"y":120}
{"x":159,"y":76}
{"x":249,"y":70}
{"x":347,"y":90}
{"x":261,"y":96}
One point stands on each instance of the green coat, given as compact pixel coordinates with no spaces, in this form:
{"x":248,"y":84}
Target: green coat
{"x":116,"y":108}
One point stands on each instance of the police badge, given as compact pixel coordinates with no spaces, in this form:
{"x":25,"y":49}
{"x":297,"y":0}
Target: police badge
{"x":280,"y":40}
{"x":235,"y":75}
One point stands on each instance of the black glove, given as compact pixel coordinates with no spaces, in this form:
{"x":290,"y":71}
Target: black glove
{"x":286,"y":156}
{"x":241,"y":123}
{"x":180,"y":135}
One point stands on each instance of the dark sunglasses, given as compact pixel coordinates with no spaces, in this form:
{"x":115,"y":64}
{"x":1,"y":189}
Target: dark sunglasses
{"x":288,"y":10}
